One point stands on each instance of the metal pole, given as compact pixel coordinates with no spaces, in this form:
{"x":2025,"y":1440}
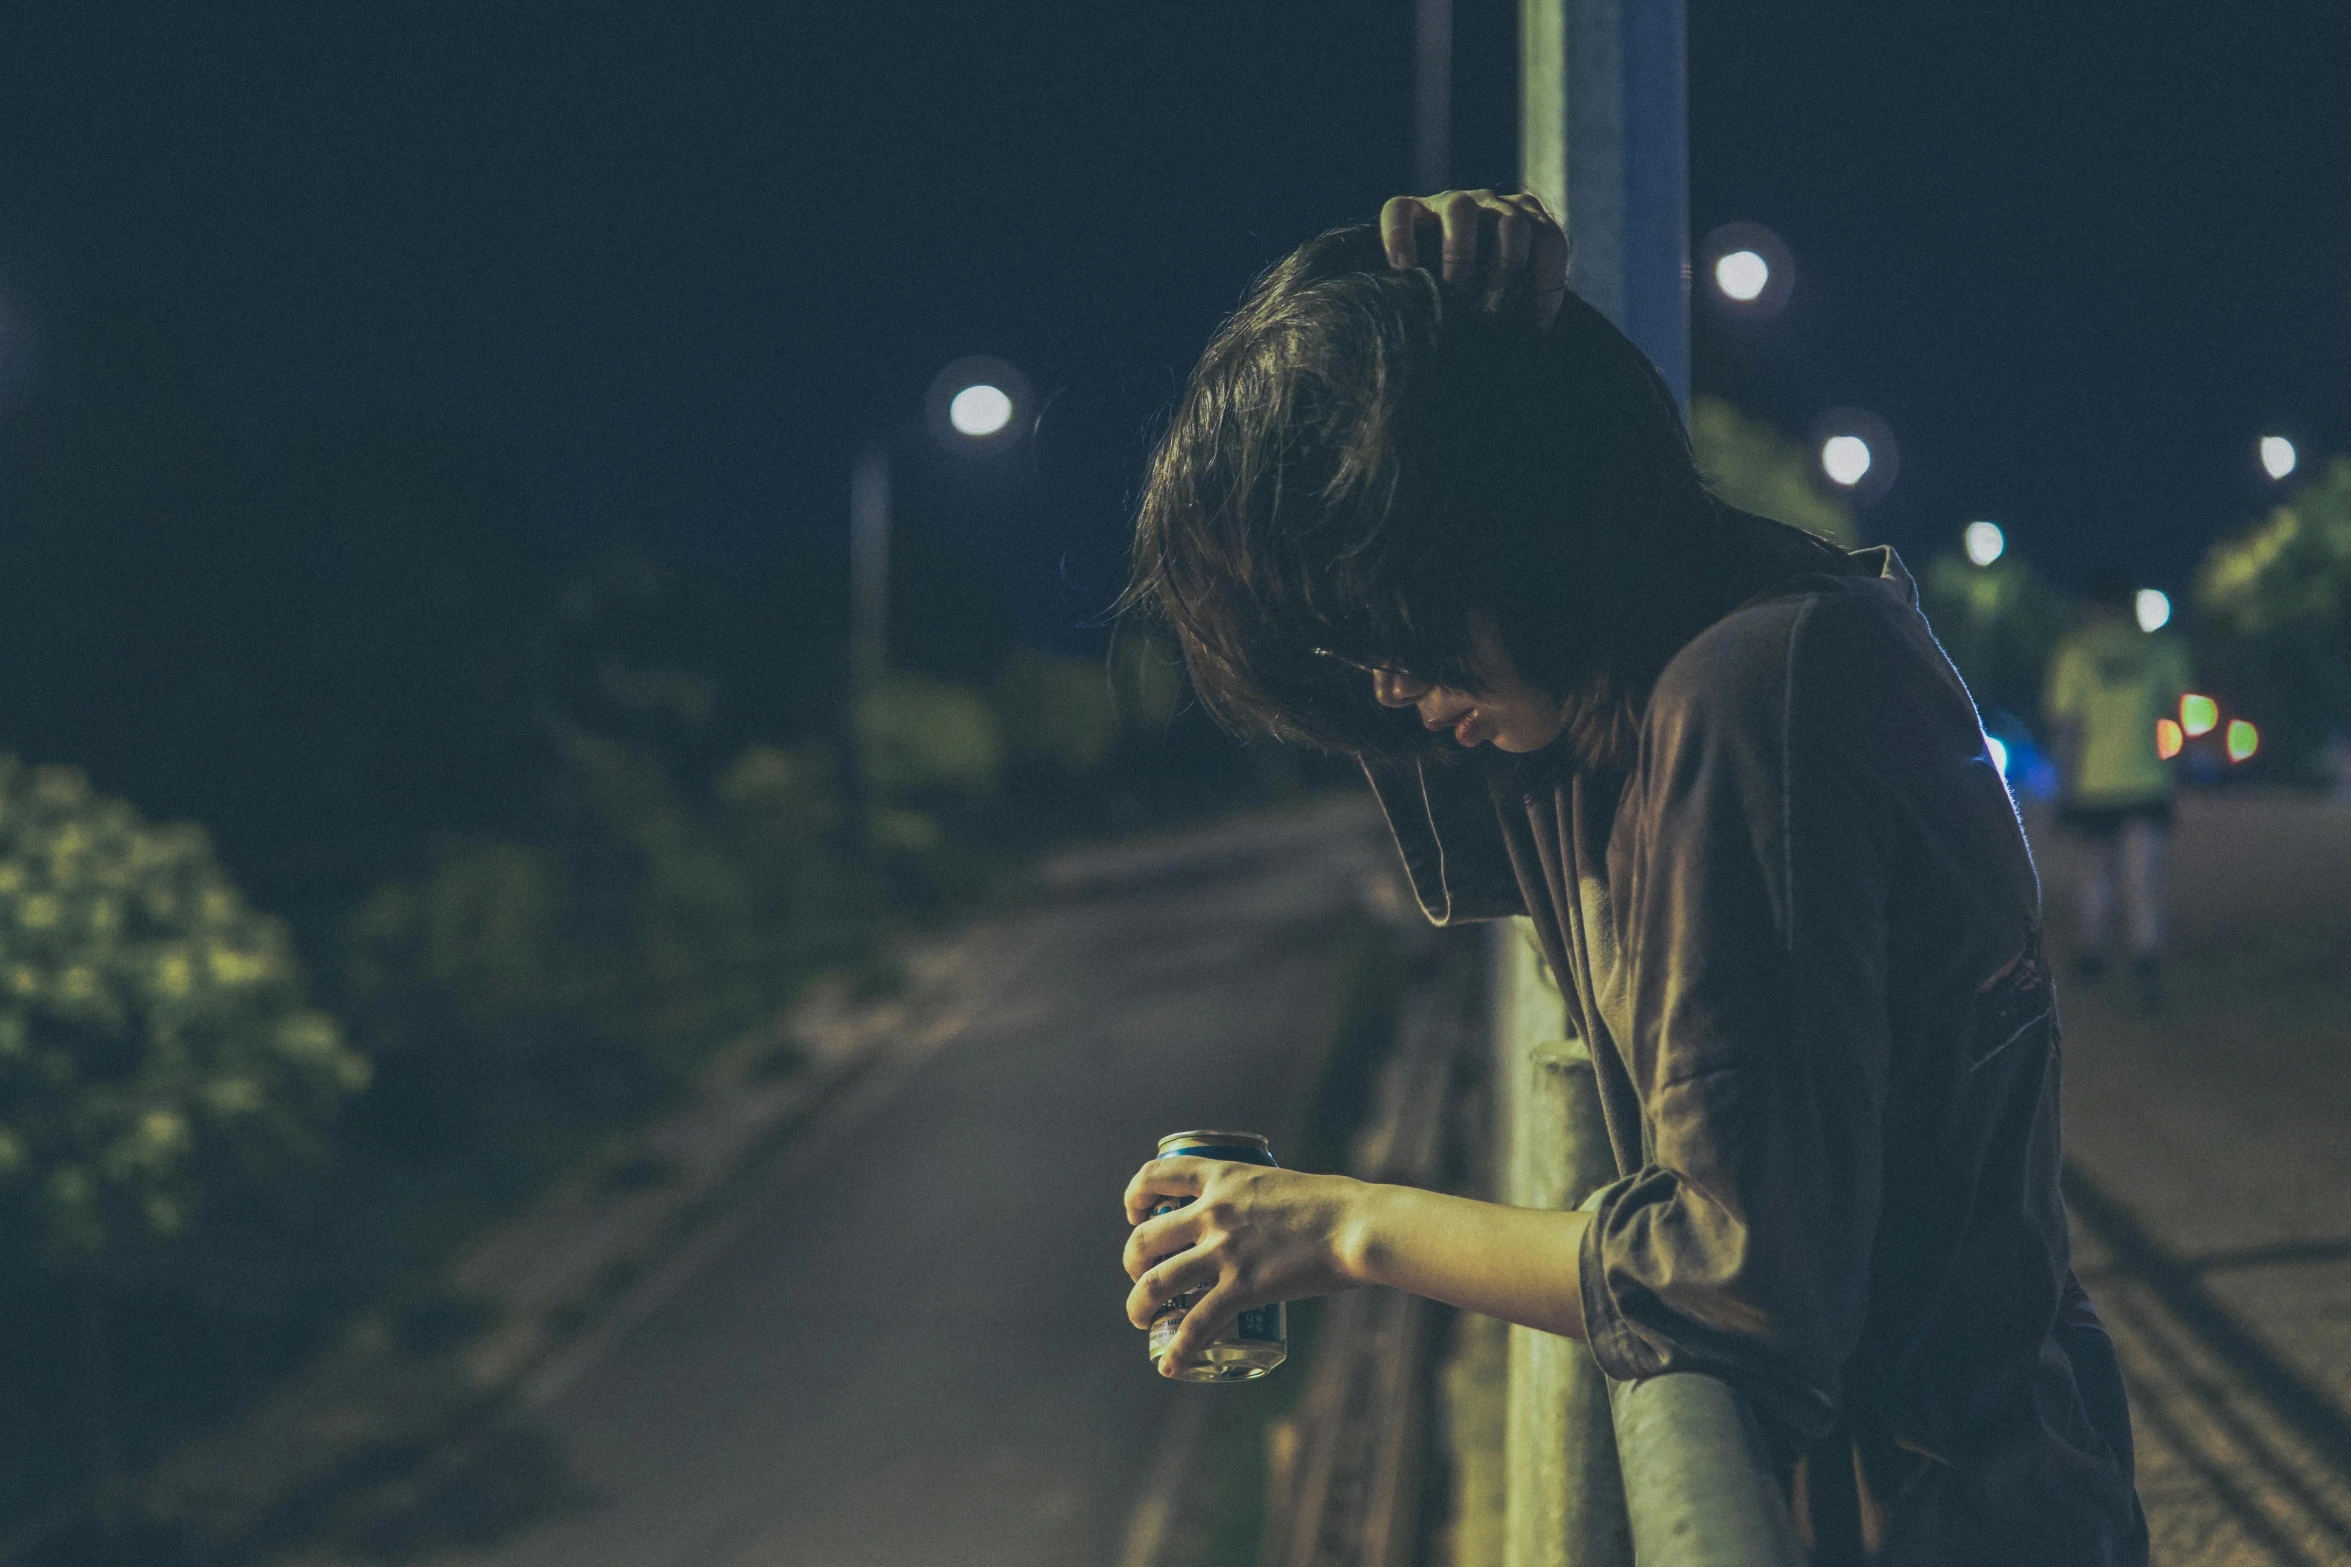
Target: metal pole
{"x":869,"y":569}
{"x":1563,"y":1499}
{"x":1604,"y":139}
{"x":1432,"y":81}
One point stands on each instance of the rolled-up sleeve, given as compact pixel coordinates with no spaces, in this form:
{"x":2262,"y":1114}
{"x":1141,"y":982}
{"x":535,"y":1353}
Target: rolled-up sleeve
{"x":1754,"y":938}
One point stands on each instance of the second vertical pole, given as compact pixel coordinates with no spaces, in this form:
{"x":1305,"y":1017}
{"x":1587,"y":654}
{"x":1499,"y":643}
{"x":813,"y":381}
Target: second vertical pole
{"x":1603,"y":140}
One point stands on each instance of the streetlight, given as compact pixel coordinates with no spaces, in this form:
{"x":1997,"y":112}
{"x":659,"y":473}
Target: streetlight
{"x":2278,"y":457}
{"x":2153,"y":608}
{"x":979,"y":410}
{"x":1750,"y":269}
{"x":975,"y":405}
{"x":1845,"y":459}
{"x":1983,"y":542}
{"x":1742,"y":275}
{"x":1856,"y":452}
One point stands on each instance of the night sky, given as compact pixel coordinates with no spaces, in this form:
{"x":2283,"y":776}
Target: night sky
{"x":666,"y":267}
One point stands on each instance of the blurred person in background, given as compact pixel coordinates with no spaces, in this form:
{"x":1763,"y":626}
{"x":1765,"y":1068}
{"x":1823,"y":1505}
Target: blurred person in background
{"x":2109,"y":685}
{"x":1445,"y":519}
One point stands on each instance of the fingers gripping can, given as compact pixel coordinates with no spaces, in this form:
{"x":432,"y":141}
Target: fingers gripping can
{"x":1260,"y":1338}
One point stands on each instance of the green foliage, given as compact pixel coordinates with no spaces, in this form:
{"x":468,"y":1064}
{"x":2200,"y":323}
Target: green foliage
{"x":2275,"y":600}
{"x":656,"y":929}
{"x":1057,"y":710}
{"x":1999,"y":623}
{"x":1147,"y":678}
{"x":154,"y":1030}
{"x":1756,"y":469}
{"x":918,"y":734}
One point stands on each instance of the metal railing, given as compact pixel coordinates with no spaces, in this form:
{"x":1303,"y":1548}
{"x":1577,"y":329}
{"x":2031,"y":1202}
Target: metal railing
{"x":1671,"y":1470}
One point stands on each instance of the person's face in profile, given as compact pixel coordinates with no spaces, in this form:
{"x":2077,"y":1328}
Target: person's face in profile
{"x":1503,"y":710}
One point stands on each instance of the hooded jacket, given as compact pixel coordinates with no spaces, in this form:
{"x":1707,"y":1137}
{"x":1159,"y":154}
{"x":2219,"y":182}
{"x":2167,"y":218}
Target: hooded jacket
{"x":1802,"y":939}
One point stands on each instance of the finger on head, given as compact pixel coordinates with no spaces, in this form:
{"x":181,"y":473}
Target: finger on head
{"x":1514,"y":236}
{"x":1459,"y":213}
{"x":1399,"y":219}
{"x":1533,"y":206}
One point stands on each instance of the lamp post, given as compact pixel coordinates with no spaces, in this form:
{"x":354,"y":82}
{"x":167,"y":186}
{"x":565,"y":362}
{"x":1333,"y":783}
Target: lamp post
{"x":975,"y":406}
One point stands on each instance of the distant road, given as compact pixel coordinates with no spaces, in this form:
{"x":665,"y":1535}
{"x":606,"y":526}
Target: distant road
{"x":2210,"y":1153}
{"x":905,"y":1347}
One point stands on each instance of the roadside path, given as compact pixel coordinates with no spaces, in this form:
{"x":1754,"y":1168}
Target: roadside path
{"x":903,"y":1344}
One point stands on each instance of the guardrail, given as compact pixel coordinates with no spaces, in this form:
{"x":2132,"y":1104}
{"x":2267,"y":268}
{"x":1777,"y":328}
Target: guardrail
{"x":1668,"y":1472}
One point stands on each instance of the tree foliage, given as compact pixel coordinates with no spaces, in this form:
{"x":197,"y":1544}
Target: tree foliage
{"x":154,"y":1030}
{"x":1757,"y":469}
{"x":2275,"y":601}
{"x":1999,"y":623}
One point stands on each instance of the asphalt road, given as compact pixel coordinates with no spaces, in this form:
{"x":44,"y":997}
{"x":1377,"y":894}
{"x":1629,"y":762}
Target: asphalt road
{"x":2209,"y":1145}
{"x":907,"y":1347}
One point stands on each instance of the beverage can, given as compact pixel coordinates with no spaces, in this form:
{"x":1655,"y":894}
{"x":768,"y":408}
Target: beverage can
{"x":1259,"y":1339}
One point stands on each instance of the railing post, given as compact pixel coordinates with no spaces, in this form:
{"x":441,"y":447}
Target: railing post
{"x":1564,"y":1500}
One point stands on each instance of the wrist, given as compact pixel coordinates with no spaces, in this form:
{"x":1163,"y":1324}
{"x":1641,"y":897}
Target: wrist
{"x":1364,"y":1242}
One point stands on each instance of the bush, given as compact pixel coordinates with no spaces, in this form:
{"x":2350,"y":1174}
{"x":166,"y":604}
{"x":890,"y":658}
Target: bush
{"x":917,"y":735}
{"x":1060,"y":711}
{"x":647,"y":935}
{"x":154,"y":1030}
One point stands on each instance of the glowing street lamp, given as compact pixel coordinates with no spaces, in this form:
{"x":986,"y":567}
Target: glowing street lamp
{"x":2278,"y":457}
{"x":979,"y":410}
{"x":1742,"y":275}
{"x":2243,"y":739}
{"x":1751,"y":271}
{"x":1983,"y":542}
{"x":1856,"y":453}
{"x":2153,"y":607}
{"x":1845,"y":459}
{"x":2198,"y":714}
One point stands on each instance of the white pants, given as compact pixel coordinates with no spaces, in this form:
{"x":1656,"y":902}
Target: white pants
{"x":2125,"y":868}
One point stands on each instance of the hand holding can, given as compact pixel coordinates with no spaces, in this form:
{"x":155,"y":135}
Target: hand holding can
{"x":1260,"y":1338}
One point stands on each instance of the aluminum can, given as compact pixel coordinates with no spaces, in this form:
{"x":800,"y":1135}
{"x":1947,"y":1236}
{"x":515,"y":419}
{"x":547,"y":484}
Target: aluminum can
{"x":1260,"y":1338}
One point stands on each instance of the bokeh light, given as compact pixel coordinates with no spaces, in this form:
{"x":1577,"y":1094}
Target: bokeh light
{"x":2278,"y":457}
{"x":1845,"y":459}
{"x":2168,"y":739}
{"x":1999,"y":753}
{"x":1742,"y":275}
{"x":2243,"y":739}
{"x":1983,"y":542}
{"x":2198,"y":714}
{"x":2154,"y":609}
{"x":980,"y":411}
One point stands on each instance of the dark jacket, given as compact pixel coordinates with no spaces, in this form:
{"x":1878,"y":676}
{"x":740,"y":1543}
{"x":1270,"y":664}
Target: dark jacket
{"x":1802,"y":938}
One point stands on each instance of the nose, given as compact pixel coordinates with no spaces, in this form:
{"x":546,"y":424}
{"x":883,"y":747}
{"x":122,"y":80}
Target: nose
{"x":1394,"y":688}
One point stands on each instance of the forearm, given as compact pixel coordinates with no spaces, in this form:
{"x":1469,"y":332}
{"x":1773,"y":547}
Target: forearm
{"x":1522,"y":1265}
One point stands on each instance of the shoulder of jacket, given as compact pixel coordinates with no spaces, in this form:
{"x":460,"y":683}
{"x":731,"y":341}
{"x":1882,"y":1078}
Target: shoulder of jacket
{"x":1830,"y":630}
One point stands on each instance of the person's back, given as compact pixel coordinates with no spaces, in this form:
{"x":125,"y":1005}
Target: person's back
{"x":2110,"y":685}
{"x":2113,"y":682}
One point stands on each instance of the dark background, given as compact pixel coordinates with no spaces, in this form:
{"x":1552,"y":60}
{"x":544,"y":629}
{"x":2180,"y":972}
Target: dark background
{"x":661,"y":269}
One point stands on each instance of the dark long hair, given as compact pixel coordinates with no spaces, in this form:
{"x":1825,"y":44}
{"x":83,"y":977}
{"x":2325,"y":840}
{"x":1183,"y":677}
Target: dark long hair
{"x":1363,"y":459}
